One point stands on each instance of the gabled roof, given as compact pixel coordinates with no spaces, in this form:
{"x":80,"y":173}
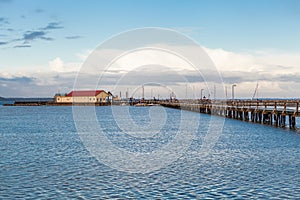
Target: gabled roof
{"x":85,"y":93}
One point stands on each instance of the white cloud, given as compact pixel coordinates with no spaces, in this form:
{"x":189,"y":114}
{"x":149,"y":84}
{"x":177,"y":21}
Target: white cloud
{"x":269,"y":62}
{"x":145,"y":57}
{"x":57,"y":65}
{"x":278,"y":73}
{"x":230,"y":61}
{"x":5,"y":75}
{"x":82,"y":56}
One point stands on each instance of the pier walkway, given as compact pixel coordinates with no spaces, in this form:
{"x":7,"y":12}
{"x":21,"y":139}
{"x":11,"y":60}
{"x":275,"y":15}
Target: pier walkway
{"x":279,"y":113}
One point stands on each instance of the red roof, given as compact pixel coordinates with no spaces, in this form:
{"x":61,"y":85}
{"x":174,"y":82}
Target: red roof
{"x":84,"y":93}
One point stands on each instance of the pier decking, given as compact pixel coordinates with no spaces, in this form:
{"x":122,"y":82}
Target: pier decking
{"x":279,"y":113}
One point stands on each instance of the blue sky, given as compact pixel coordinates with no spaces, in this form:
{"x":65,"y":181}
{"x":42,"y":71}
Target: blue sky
{"x":36,"y":32}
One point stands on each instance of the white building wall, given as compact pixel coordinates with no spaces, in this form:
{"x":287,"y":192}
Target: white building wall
{"x":85,"y":99}
{"x":91,"y":99}
{"x":62,"y":99}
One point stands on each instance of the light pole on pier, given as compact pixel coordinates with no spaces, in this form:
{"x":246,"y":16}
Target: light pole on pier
{"x":143,"y":92}
{"x":215,"y":91}
{"x":201,"y":93}
{"x":232,"y":90}
{"x":127,"y":94}
{"x":186,"y":91}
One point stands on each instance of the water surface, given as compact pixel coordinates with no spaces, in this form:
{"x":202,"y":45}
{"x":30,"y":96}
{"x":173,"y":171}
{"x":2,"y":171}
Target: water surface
{"x":43,"y":157}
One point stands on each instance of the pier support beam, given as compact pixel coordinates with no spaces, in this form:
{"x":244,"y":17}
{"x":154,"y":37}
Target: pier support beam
{"x":293,"y":122}
{"x":282,"y":120}
{"x":252,"y":116}
{"x":246,"y":116}
{"x":260,"y":117}
{"x":276,"y":116}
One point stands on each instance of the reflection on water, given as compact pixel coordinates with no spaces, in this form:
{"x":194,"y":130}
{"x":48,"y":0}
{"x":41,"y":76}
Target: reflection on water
{"x":43,"y":157}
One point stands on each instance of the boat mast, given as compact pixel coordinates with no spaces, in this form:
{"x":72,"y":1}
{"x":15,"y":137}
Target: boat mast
{"x":255,"y":92}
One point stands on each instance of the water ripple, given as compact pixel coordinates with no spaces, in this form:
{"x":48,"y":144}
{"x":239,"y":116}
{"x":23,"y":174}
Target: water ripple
{"x":42,"y":157}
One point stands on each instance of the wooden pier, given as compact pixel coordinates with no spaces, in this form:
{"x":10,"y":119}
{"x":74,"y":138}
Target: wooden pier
{"x":279,"y":113}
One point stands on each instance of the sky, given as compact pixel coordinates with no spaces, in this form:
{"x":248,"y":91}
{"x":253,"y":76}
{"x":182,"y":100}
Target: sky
{"x":44,"y":43}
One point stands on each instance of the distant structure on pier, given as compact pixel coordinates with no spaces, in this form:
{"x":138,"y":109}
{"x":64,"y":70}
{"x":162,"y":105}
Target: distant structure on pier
{"x":83,"y":96}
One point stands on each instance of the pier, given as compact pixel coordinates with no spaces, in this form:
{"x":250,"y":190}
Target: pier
{"x":276,"y":112}
{"x":279,"y":113}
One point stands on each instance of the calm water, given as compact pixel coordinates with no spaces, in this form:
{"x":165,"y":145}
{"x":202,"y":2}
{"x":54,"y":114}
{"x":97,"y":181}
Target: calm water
{"x":43,"y":157}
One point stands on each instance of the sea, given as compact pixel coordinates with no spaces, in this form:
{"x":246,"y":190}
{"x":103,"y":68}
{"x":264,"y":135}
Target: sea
{"x":50,"y":152}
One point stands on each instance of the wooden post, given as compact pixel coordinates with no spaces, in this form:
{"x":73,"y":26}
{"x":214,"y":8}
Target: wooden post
{"x":260,"y":117}
{"x":246,"y":115}
{"x":293,"y":122}
{"x":277,"y":118}
{"x":282,"y":120}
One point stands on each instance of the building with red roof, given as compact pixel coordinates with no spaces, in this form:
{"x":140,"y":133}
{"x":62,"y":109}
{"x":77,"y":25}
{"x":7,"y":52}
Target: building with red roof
{"x":83,"y":96}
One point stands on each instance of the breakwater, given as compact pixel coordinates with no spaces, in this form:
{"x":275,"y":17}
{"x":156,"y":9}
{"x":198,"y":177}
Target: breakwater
{"x":52,"y":103}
